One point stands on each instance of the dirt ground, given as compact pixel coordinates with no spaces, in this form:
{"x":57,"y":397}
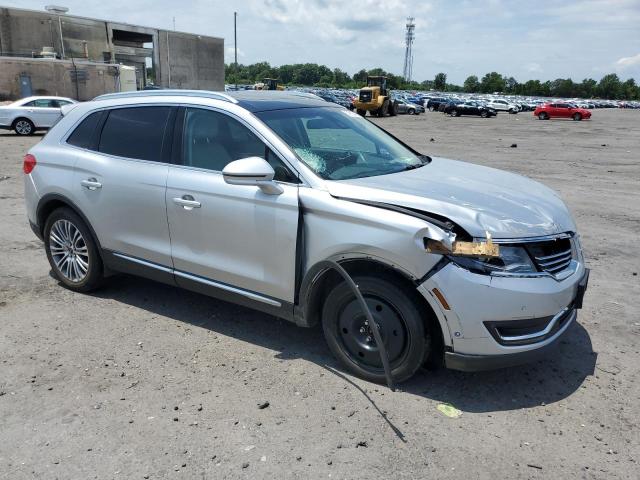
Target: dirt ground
{"x":141,"y":380}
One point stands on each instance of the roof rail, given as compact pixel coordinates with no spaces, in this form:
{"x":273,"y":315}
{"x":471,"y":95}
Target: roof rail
{"x":168,"y":92}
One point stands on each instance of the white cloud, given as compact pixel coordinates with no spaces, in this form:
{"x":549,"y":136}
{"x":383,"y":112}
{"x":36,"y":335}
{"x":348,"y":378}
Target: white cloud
{"x":229,"y":54}
{"x":628,"y":62}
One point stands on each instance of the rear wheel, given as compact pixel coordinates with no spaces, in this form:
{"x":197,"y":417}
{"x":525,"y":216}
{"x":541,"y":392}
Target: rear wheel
{"x":454,"y":113}
{"x":71,"y":251}
{"x":24,"y":126}
{"x":395,"y":311}
{"x":393,"y":109}
{"x":431,"y":108}
{"x":543,"y":116}
{"x":361,"y":112}
{"x":577,"y":117}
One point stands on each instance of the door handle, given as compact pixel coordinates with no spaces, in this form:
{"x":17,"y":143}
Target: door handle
{"x":91,"y":183}
{"x":187,"y":202}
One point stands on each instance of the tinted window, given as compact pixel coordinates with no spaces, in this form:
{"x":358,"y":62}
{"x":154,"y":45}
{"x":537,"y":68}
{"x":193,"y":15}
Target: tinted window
{"x":82,"y":136}
{"x":135,"y":132}
{"x":211,"y":140}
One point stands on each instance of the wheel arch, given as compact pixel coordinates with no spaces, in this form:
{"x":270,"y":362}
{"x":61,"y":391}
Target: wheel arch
{"x":52,"y":201}
{"x":320,"y":279}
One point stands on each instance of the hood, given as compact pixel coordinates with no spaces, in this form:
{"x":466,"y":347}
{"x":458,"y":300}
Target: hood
{"x":478,"y":199}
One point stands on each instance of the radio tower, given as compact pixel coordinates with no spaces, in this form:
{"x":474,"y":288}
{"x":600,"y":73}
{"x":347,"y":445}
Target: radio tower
{"x":408,"y":54}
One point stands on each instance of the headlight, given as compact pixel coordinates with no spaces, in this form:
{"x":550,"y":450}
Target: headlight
{"x":510,"y":260}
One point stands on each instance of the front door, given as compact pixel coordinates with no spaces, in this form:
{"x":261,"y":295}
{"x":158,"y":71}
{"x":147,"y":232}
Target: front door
{"x":225,"y":235}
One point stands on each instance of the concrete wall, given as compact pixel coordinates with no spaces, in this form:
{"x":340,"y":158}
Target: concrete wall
{"x":57,"y":77}
{"x":181,"y":60}
{"x":23,"y":32}
{"x":190,"y":61}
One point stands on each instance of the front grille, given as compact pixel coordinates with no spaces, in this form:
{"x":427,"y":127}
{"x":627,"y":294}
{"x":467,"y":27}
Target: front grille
{"x":365,"y":96}
{"x":551,"y":256}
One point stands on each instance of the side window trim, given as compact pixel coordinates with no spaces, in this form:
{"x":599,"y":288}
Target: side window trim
{"x":179,"y":142}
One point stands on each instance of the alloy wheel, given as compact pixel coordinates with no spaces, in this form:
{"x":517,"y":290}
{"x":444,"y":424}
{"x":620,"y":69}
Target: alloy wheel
{"x":23,"y":127}
{"x":69,"y":250}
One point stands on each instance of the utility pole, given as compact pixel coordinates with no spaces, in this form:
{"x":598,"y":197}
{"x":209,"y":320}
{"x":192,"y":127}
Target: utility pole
{"x":235,"y":46}
{"x":174,"y":24}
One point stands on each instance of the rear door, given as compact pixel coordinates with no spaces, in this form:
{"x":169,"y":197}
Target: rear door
{"x":43,"y":112}
{"x":120,"y":181}
{"x":234,"y":236}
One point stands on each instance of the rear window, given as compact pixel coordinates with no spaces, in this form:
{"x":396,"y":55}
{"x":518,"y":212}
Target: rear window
{"x":83,"y":135}
{"x":135,"y":132}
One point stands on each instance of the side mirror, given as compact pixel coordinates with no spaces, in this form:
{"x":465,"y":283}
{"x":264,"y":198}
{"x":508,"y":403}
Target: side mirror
{"x":254,"y":171}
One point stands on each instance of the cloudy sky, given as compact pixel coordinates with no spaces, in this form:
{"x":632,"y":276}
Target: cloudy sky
{"x":544,"y":39}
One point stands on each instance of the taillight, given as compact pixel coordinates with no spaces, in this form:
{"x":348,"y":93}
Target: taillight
{"x":28,"y":164}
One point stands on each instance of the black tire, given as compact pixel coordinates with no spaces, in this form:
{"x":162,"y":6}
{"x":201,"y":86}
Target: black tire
{"x":94,"y":268}
{"x":401,"y":326}
{"x":361,"y":112}
{"x":430,"y":108}
{"x":24,"y":126}
{"x":455,"y":113}
{"x":543,"y":116}
{"x":411,"y":111}
{"x":384,"y":110}
{"x":484,"y":114}
{"x":577,"y":117}
{"x":393,"y":109}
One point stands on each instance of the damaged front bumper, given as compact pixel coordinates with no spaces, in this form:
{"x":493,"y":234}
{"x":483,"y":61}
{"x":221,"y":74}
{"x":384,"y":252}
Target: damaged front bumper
{"x":491,"y":322}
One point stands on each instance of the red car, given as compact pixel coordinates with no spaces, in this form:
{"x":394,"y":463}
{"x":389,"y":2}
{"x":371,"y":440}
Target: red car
{"x":561,"y":110}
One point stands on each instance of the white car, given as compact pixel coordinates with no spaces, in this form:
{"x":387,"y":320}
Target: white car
{"x":502,"y":105}
{"x":27,"y":115}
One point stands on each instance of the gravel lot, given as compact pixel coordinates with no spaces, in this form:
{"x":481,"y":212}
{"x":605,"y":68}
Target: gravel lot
{"x":141,"y":380}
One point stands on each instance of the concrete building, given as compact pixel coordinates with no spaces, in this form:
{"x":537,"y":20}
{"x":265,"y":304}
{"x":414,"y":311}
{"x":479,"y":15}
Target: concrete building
{"x":167,"y":58}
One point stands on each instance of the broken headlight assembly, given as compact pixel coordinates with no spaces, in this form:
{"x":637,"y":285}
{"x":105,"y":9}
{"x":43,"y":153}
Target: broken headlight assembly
{"x":510,"y":260}
{"x":485,"y":257}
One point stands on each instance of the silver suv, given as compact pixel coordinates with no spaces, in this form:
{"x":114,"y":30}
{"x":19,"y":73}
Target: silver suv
{"x":249,"y":198}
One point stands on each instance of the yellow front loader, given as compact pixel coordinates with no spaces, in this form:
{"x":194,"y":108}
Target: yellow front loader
{"x":375,"y":98}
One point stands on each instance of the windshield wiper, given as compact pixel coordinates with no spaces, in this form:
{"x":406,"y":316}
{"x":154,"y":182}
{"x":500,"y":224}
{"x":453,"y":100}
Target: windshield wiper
{"x":413,"y":166}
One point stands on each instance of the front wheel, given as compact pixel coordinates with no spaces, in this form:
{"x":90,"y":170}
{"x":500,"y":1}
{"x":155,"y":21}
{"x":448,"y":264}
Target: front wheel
{"x":24,"y":126}
{"x":361,"y":112}
{"x":484,"y":114}
{"x":577,"y":117}
{"x":411,"y":111}
{"x":396,"y":313}
{"x":71,"y":251}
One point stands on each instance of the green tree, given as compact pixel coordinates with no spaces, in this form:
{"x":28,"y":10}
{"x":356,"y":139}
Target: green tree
{"x":360,"y":77}
{"x":609,"y":86}
{"x":492,"y":82}
{"x":440,"y":81}
{"x":587,"y":88}
{"x":629,"y":90}
{"x":471,"y":84}
{"x":511,"y":84}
